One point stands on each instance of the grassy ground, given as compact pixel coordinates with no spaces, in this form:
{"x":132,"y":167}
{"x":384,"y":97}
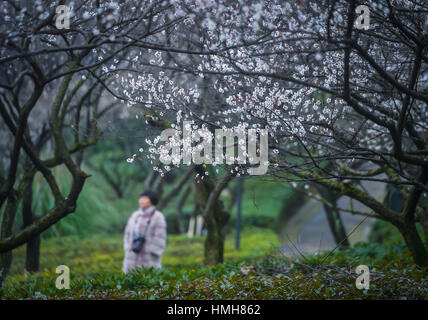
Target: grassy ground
{"x":101,"y":253}
{"x":257,"y":271}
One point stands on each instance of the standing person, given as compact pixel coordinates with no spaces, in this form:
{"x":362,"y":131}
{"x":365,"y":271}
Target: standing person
{"x":145,"y":235}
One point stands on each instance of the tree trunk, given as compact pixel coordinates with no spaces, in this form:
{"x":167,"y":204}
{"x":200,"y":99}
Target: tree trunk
{"x":424,"y":223}
{"x":215,"y":216}
{"x":32,"y":261}
{"x":414,"y":243}
{"x":5,"y":264}
{"x":333,"y":216}
{"x":214,"y":246}
{"x":214,"y":241}
{"x":6,"y":231}
{"x":409,"y":217}
{"x":336,"y":226}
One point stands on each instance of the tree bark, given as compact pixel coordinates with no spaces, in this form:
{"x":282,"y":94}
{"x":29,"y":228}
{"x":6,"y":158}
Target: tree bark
{"x":215,"y":216}
{"x":6,"y":231}
{"x":414,"y":243}
{"x":32,"y":260}
{"x":333,"y":216}
{"x":408,"y":225}
{"x":424,"y":223}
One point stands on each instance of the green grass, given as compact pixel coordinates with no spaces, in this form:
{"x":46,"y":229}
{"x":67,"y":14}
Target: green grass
{"x":101,"y":253}
{"x":258,"y":271}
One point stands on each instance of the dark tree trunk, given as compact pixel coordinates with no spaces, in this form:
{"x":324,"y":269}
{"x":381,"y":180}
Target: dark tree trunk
{"x":216,"y":217}
{"x":32,"y":261}
{"x":414,"y":243}
{"x":424,"y":223}
{"x":213,"y":247}
{"x":333,"y":216}
{"x":336,"y":226}
{"x":214,"y":241}
{"x":6,"y":231}
{"x":5,"y":264}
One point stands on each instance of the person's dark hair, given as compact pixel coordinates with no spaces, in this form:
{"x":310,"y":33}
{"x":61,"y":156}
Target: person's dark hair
{"x":152,"y":195}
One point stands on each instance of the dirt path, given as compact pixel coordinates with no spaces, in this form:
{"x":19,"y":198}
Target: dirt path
{"x":308,"y":229}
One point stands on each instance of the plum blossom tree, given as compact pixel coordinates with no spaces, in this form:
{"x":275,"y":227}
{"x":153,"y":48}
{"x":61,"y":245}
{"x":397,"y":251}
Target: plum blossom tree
{"x":330,"y":92}
{"x":342,"y":104}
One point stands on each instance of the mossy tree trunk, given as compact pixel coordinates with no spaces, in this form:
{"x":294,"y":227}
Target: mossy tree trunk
{"x":410,"y":214}
{"x":215,"y":216}
{"x":333,"y":215}
{"x":414,"y":244}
